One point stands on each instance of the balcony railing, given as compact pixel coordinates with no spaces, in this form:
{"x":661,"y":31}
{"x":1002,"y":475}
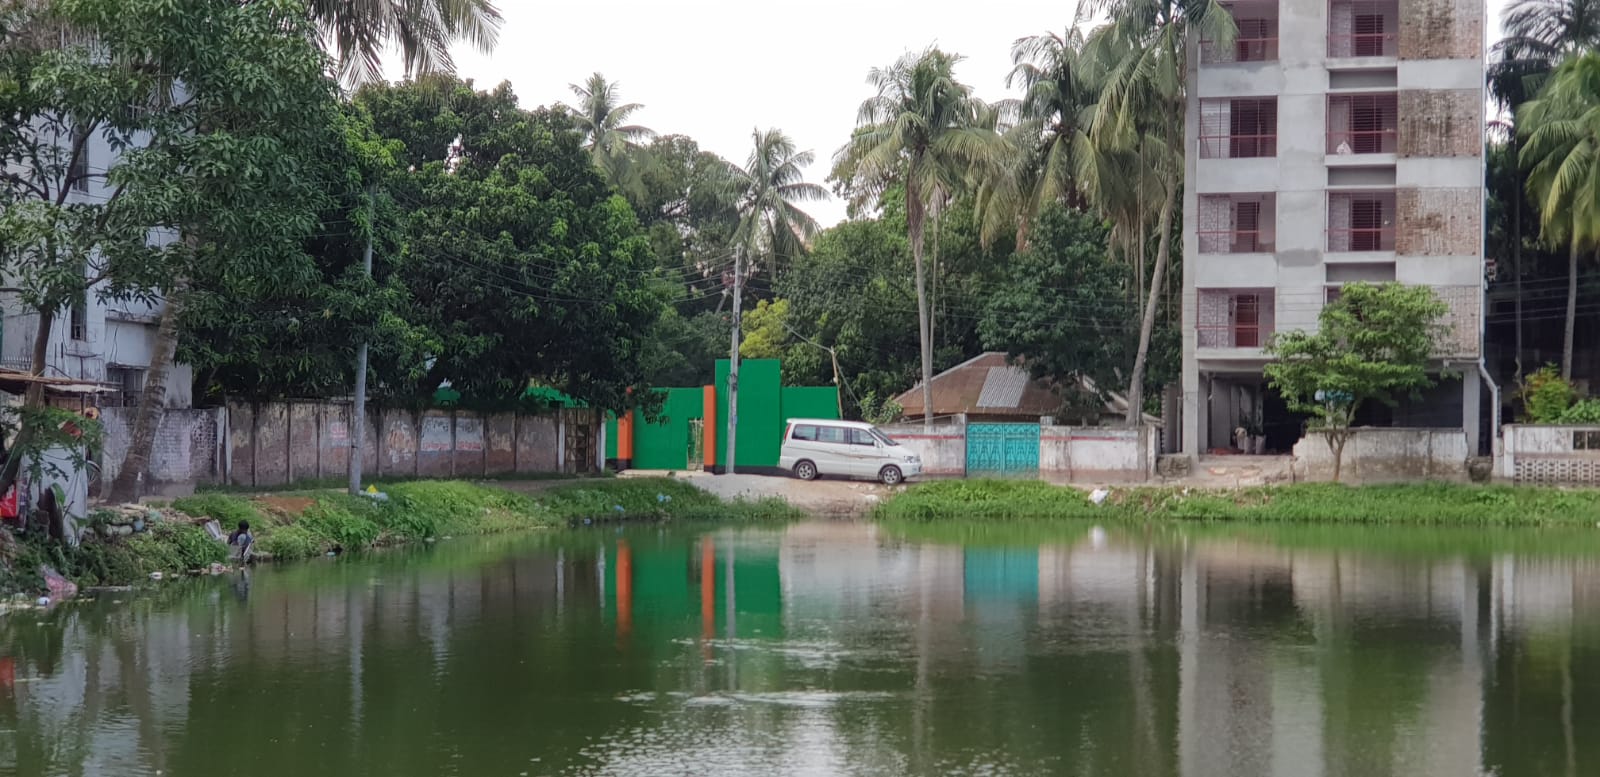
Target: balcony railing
{"x":1361,"y":239}
{"x":1238,"y":146}
{"x":1231,"y":336}
{"x":1235,"y":241}
{"x":1373,"y":44}
{"x":1242,"y":50}
{"x":1384,"y":141}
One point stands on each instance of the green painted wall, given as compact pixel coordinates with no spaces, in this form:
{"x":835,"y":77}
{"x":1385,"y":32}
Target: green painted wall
{"x":809,"y":402}
{"x":665,"y":445}
{"x":760,"y":412}
{"x":764,"y":405}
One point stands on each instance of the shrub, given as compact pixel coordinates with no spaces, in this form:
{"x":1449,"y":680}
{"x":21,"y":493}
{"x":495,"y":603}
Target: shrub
{"x":286,"y":543}
{"x":1586,"y":412}
{"x":1546,"y":395}
{"x":336,"y":524}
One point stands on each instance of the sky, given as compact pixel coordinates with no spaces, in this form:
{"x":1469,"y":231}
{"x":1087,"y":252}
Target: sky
{"x":717,"y":69}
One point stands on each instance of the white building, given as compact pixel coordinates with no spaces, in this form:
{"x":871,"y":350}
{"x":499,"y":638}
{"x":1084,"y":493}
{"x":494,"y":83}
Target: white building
{"x":100,"y":341}
{"x":1332,"y":142}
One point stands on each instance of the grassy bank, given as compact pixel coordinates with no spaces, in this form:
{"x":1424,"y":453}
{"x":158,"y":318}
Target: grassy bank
{"x":1419,"y":504}
{"x":302,"y":525}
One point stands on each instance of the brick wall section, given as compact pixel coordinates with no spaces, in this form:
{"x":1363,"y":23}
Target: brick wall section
{"x":398,"y":448}
{"x":333,"y":440}
{"x":469,"y":444}
{"x":241,"y":450}
{"x":537,"y":444}
{"x":1441,"y":123}
{"x":185,"y":447}
{"x":500,"y":443}
{"x":1439,"y":222}
{"x":434,"y":447}
{"x":302,"y":441}
{"x":1441,"y":29}
{"x":272,"y":446}
{"x":1462,"y":320}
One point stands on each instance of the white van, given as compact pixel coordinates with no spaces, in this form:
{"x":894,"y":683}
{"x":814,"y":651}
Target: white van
{"x":851,"y":449}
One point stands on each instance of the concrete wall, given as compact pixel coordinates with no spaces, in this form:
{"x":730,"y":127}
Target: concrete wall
{"x":279,"y":443}
{"x":1551,"y":455}
{"x":186,"y":448}
{"x":1388,"y":456}
{"x":1097,"y":454}
{"x":1066,"y":454}
{"x":943,"y":452}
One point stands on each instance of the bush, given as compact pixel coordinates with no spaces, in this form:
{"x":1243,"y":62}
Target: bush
{"x":1584,"y":413}
{"x":1546,"y":395}
{"x":288,"y":543}
{"x":338,"y":525}
{"x":987,"y":499}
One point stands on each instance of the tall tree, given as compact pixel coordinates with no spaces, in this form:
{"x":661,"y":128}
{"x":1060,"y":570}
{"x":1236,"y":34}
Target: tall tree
{"x":615,"y":144}
{"x":359,"y":32}
{"x":1560,"y":131}
{"x":1538,"y":33}
{"x":927,"y":132}
{"x":768,"y":191}
{"x":1147,"y":84}
{"x":1049,"y":135}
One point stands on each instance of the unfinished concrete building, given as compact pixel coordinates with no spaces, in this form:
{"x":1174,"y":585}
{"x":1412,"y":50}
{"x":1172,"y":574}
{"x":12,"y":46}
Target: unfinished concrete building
{"x":1330,"y":142}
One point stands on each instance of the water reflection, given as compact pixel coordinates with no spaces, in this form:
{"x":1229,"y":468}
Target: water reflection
{"x":829,"y":648}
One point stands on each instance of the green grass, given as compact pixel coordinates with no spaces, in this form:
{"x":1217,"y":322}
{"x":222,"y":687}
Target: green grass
{"x":1436,"y":504}
{"x":323,"y":521}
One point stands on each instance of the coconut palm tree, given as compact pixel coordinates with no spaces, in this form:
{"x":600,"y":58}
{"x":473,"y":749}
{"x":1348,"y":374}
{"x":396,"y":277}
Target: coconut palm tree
{"x":926,"y":131}
{"x":1560,"y":133}
{"x":617,"y":146}
{"x":358,"y":33}
{"x":1049,"y":125}
{"x":1538,"y":34}
{"x":1145,"y":86}
{"x":767,"y":191}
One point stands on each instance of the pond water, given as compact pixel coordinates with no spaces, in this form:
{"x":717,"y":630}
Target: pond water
{"x":838,"y":649}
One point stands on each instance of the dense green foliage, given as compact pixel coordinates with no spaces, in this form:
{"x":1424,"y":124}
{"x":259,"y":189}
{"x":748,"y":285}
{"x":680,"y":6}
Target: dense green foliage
{"x":1422,"y":504}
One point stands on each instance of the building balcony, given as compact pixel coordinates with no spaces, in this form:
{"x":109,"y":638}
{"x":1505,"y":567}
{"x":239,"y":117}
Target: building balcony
{"x":1237,"y":223}
{"x":1257,"y":37}
{"x":1363,"y":124}
{"x":1361,"y":222}
{"x":1234,"y":319}
{"x":1365,"y":29}
{"x":1238,"y":128}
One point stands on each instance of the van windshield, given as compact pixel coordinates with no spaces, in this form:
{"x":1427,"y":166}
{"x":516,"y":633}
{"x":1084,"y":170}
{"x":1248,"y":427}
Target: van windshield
{"x":883,"y":438}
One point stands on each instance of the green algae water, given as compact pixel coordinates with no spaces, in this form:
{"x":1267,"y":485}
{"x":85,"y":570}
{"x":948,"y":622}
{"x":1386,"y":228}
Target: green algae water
{"x":831,"y":648}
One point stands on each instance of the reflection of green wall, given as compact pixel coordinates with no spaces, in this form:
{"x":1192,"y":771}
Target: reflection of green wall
{"x":758,"y":590}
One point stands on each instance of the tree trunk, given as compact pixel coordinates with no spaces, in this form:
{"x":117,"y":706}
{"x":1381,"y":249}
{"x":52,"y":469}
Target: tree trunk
{"x":1336,"y":442}
{"x":1572,"y":311}
{"x":33,"y":399}
{"x":1516,"y":249}
{"x":1136,"y":382}
{"x":152,"y":403}
{"x":915,"y":211}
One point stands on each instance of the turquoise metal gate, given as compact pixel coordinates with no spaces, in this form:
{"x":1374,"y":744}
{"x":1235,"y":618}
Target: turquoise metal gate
{"x":1002,"y":450}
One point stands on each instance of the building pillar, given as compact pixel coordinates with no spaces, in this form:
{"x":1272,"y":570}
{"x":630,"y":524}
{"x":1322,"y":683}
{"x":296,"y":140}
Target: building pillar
{"x":1471,"y":407}
{"x":1195,"y":389}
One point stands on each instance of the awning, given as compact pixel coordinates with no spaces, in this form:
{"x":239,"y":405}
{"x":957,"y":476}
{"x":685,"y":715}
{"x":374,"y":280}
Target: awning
{"x":17,"y":382}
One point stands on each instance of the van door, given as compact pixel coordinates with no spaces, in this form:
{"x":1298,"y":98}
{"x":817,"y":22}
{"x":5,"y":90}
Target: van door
{"x":832,"y":449}
{"x":865,"y":457}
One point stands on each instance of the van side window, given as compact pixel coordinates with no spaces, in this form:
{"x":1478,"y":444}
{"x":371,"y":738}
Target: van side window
{"x":830,"y":434}
{"x":861,"y":437}
{"x":804,"y":433}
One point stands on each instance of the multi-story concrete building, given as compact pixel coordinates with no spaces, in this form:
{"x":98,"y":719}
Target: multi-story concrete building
{"x":1331,"y":142}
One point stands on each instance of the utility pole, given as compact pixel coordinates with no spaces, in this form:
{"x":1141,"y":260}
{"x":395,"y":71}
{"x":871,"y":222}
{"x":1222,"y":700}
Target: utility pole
{"x":733,"y":360}
{"x":358,"y":432}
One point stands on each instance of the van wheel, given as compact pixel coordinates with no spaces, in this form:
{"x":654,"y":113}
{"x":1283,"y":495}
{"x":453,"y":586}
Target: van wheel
{"x":890,"y":475}
{"x":805,"y":470}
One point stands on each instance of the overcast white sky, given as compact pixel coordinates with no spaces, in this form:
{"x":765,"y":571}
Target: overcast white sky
{"x":716,"y":69}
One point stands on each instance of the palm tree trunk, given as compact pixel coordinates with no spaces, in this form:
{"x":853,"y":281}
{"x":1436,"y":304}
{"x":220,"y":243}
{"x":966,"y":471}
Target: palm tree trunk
{"x":915,"y":211}
{"x":152,"y":403}
{"x":1516,"y":247}
{"x":33,"y":399}
{"x":1136,"y":381}
{"x":1572,"y":311}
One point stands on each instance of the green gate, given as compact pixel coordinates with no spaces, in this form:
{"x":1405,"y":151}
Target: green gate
{"x":1002,"y":450}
